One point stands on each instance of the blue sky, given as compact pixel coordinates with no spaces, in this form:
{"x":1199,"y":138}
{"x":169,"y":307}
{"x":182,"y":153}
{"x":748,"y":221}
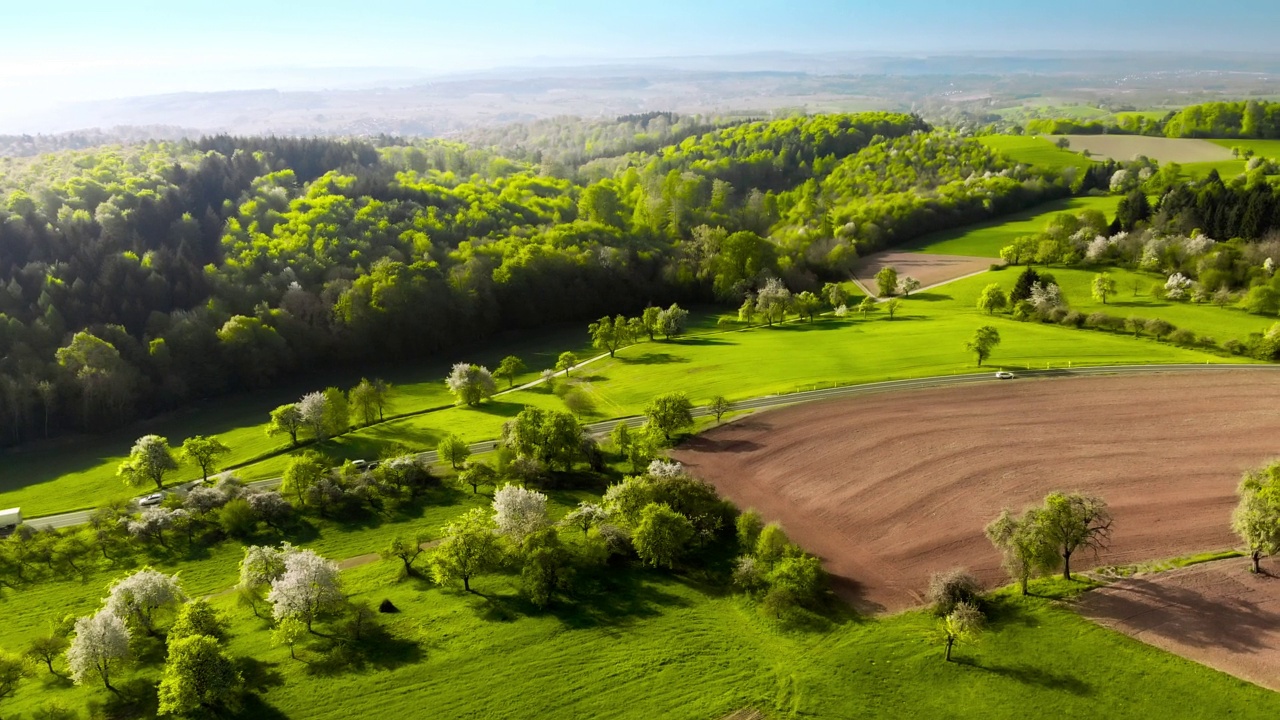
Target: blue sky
{"x":92,"y":49}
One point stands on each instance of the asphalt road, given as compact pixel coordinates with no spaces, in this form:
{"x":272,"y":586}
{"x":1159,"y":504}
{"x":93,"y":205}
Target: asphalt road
{"x":767,"y":401}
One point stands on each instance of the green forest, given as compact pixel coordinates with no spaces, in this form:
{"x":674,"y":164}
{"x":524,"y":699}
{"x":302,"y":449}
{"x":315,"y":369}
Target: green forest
{"x":138,"y":278}
{"x":1251,"y":119}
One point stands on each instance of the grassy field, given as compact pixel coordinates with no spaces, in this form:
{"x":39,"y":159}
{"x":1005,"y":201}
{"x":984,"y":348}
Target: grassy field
{"x":644,"y":644}
{"x":1264,"y":148}
{"x":1035,"y":151}
{"x":1227,"y":169}
{"x":986,"y":239}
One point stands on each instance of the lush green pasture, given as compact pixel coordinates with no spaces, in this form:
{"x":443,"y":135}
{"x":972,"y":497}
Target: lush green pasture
{"x":1035,"y":151}
{"x":1264,"y":148}
{"x":986,"y":239}
{"x":1227,"y":169}
{"x":1221,"y":324}
{"x":644,"y":644}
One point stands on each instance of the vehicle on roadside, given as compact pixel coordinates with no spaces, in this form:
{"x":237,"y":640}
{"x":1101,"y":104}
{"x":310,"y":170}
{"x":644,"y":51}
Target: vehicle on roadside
{"x":1004,"y":375}
{"x":152,"y":499}
{"x":9,"y":521}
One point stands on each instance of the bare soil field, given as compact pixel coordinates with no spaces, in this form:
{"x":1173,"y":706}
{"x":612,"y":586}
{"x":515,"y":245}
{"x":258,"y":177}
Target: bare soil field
{"x":928,"y":269}
{"x":1125,"y":147}
{"x":890,"y":488}
{"x":1218,"y":614}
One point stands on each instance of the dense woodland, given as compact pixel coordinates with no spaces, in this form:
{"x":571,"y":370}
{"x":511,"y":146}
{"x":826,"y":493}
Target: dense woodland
{"x":1253,"y":119}
{"x":137,"y":278}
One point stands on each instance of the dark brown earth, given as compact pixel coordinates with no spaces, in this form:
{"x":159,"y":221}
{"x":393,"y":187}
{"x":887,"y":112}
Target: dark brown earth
{"x":1218,"y":614}
{"x":890,"y":488}
{"x":928,"y":269}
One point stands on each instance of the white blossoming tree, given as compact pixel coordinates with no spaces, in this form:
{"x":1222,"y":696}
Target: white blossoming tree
{"x":101,"y":642}
{"x":1177,"y":286}
{"x":261,"y":566}
{"x":312,"y":408}
{"x":148,"y":462}
{"x":1046,"y":297}
{"x":137,"y":597}
{"x":586,"y":516}
{"x":470,"y":383}
{"x":665,"y":469}
{"x":518,"y":512}
{"x":308,"y":588}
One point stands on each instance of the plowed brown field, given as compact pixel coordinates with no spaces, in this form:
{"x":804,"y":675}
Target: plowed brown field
{"x":889,"y":488}
{"x":1217,"y":613}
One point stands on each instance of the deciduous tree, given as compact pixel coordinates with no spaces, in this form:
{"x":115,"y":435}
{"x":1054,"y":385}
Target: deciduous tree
{"x":1104,"y":286}
{"x":1024,"y":549}
{"x":308,"y":588}
{"x":992,"y":299}
{"x":886,"y":281}
{"x":199,"y":674}
{"x":286,"y":420}
{"x":964,"y":623}
{"x":470,"y":383}
{"x":519,"y":513}
{"x":1256,"y":518}
{"x":1071,"y":521}
{"x":204,"y":452}
{"x":719,"y":406}
{"x":148,"y":462}
{"x":670,"y":413}
{"x":470,"y":547}
{"x":101,"y":643}
{"x":661,"y":534}
{"x":984,"y":340}
{"x":137,"y":597}
{"x":508,"y":369}
{"x":453,"y":450}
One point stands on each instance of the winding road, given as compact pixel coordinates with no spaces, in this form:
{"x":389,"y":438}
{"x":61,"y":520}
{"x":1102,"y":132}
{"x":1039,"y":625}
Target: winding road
{"x":767,"y":401}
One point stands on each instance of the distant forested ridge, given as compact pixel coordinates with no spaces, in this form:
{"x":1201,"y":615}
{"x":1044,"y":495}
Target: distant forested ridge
{"x":1252,"y":119}
{"x":136,"y":278}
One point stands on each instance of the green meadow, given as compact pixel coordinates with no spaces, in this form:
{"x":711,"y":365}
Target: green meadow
{"x":1033,"y":150}
{"x":986,"y":239}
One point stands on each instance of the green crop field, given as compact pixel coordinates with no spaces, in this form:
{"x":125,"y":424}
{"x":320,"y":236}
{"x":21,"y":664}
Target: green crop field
{"x":1200,"y":170}
{"x":1035,"y":151}
{"x":986,"y":239}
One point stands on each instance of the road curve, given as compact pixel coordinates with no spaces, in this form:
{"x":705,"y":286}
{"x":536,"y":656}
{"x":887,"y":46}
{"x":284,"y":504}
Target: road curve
{"x":767,"y":401}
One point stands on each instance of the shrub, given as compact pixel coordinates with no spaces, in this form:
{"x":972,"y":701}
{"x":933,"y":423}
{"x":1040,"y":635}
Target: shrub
{"x":1023,"y":310}
{"x":237,"y":518}
{"x":1072,"y":319}
{"x":1185,"y":338}
{"x":994,"y":267}
{"x":1099,"y":320}
{"x":1055,"y":314}
{"x":1235,"y":347}
{"x":950,"y":588}
{"x":1208,"y":342}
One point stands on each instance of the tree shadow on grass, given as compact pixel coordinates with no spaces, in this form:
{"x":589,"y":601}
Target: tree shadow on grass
{"x":697,"y":341}
{"x":500,"y":408}
{"x":1030,"y":675}
{"x":259,"y":675}
{"x":930,"y":297}
{"x":653,"y":358}
{"x":135,"y":698}
{"x":376,"y":648}
{"x":256,"y":708}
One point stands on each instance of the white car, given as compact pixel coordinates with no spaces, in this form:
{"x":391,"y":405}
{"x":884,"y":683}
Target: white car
{"x":152,"y":499}
{"x":1004,"y":375}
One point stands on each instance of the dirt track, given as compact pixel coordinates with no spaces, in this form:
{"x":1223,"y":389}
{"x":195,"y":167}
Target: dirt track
{"x":928,"y":269}
{"x":1218,"y":614}
{"x":890,"y":488}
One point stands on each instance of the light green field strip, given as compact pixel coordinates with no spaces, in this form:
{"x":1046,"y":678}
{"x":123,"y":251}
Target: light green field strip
{"x":986,"y":239}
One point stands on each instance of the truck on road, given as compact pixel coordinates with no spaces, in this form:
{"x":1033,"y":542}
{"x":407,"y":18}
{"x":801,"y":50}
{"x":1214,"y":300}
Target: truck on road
{"x":9,"y":521}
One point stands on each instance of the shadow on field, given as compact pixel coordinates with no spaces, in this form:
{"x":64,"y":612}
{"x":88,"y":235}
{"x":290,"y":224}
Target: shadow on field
{"x":930,"y":297}
{"x":1033,"y":676}
{"x":698,"y":341}
{"x":653,"y":358}
{"x":1184,"y":615}
{"x":704,"y":444}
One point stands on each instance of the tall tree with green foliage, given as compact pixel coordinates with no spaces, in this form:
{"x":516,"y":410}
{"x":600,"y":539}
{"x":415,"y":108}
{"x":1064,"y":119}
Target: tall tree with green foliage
{"x":197,"y":675}
{"x":670,"y":413}
{"x":886,"y":281}
{"x":1072,"y":521}
{"x":204,"y":452}
{"x":453,"y":450}
{"x":566,"y":362}
{"x":302,"y":472}
{"x":984,"y":340}
{"x":1256,"y":518}
{"x":992,"y":298}
{"x":470,"y":547}
{"x":286,"y":420}
{"x":610,"y":334}
{"x":508,"y":369}
{"x":470,"y":383}
{"x":1024,"y":548}
{"x":661,"y":535}
{"x":1103,"y":286}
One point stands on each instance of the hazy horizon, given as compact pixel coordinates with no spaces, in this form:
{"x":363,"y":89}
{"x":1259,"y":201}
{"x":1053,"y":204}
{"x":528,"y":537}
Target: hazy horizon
{"x":77,"y":51}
